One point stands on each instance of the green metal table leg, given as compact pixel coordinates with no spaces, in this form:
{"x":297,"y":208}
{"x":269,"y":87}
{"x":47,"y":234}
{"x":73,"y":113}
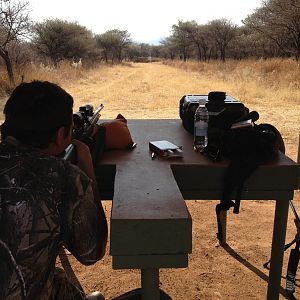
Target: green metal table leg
{"x":150,"y":284}
{"x":223,"y":218}
{"x":279,"y":232}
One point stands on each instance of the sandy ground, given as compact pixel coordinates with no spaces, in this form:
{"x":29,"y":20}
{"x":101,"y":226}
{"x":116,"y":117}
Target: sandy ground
{"x":214,"y":272}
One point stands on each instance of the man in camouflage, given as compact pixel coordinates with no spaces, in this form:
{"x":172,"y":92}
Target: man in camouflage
{"x":45,"y":202}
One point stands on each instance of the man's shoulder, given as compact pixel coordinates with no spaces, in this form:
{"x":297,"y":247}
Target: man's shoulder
{"x":16,"y":155}
{"x":13,"y":153}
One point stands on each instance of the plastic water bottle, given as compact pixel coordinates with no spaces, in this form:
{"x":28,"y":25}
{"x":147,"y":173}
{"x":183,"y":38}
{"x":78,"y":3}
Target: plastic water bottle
{"x":200,"y":126}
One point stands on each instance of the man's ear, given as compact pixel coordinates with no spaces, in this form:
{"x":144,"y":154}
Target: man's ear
{"x":58,"y":143}
{"x":59,"y":139}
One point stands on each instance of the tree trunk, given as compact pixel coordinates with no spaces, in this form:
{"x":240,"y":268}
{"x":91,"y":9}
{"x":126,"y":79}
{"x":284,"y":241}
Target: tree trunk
{"x":185,"y":55}
{"x":297,"y":50}
{"x":120,"y":56}
{"x":204,"y":53}
{"x":199,"y":52}
{"x":4,"y":54}
{"x":222,"y":50}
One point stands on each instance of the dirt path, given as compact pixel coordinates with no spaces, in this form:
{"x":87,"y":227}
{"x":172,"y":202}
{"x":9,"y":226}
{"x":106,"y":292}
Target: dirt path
{"x":138,"y":91}
{"x":153,"y":91}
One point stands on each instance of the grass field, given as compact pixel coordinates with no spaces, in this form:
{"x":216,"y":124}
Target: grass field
{"x":272,"y":87}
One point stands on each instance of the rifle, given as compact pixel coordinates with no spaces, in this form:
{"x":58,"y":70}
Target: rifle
{"x":83,"y":120}
{"x":294,"y":257}
{"x":293,"y":261}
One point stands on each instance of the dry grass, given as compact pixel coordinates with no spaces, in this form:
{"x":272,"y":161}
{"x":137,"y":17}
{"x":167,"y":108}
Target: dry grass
{"x":272,"y":87}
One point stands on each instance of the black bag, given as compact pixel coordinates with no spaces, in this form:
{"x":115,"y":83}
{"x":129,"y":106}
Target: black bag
{"x":246,"y":147}
{"x":223,"y":110}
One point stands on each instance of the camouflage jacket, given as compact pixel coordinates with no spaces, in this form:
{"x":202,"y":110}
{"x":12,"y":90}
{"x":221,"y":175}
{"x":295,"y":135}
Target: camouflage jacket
{"x":45,"y":201}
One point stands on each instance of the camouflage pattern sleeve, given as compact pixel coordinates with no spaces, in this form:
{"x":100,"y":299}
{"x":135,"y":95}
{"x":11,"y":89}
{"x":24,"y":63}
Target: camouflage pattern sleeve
{"x":80,"y":217}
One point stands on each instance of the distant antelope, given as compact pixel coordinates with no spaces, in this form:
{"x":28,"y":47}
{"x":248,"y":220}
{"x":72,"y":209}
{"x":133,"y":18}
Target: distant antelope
{"x":76,"y":63}
{"x":46,"y":68}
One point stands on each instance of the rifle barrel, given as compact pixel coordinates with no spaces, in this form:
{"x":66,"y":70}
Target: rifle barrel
{"x":294,"y":211}
{"x":298,"y":159}
{"x":69,"y":152}
{"x":96,"y":114}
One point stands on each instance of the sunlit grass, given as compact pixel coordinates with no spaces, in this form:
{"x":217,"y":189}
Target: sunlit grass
{"x":272,"y":87}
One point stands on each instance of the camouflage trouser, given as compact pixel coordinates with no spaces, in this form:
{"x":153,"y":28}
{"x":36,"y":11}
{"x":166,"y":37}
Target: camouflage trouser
{"x":64,"y":289}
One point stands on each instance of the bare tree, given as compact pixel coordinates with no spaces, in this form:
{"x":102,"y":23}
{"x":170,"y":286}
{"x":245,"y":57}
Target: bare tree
{"x":113,"y":43}
{"x":279,"y":21}
{"x":14,"y":25}
{"x":199,"y":37}
{"x":58,"y":39}
{"x":222,"y":32}
{"x":168,"y":48}
{"x":122,"y":42}
{"x":181,"y":38}
{"x":104,"y":41}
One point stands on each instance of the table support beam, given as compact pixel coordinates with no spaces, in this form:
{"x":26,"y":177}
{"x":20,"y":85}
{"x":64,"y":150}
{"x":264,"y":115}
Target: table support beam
{"x":150,"y":284}
{"x":279,"y":232}
{"x":223,"y":218}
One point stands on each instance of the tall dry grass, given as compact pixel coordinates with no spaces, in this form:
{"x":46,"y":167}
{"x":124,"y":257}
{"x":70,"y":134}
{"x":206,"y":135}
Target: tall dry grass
{"x":153,"y":90}
{"x":250,"y":77}
{"x":63,"y":73}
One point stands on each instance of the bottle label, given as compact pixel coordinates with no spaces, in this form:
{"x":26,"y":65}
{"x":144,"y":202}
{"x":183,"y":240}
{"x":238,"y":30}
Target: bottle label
{"x":201,"y":128}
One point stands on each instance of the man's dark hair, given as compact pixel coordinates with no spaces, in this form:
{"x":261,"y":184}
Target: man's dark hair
{"x":35,"y":111}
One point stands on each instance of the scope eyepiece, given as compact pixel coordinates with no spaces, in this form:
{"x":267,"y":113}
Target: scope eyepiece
{"x":87,"y":109}
{"x":78,"y":120}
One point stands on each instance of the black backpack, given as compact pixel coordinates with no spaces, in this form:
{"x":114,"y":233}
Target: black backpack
{"x":247,"y":145}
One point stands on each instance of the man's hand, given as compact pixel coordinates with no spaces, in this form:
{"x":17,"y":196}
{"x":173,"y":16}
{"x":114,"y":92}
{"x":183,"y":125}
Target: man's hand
{"x":84,"y":158}
{"x":94,"y":128}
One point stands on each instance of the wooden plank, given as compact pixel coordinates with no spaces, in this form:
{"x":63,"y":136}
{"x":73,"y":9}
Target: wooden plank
{"x":150,"y":261}
{"x":265,"y":177}
{"x":153,"y":236}
{"x":149,"y":214}
{"x":195,"y":172}
{"x":246,"y":195}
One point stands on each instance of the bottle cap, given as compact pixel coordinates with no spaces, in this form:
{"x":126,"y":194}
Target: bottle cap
{"x":202,"y":101}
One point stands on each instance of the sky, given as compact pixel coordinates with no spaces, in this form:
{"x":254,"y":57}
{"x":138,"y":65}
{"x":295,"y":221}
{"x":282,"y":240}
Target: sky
{"x":146,"y":21}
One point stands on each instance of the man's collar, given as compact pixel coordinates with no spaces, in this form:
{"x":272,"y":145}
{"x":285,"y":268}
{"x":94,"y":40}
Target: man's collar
{"x":12,"y":140}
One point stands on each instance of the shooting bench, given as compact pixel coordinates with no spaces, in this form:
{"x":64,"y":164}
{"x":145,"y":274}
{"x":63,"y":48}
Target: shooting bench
{"x":151,"y":227}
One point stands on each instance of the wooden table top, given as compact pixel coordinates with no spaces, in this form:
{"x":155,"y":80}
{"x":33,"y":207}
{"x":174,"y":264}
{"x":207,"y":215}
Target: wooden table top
{"x":149,"y":214}
{"x":192,"y":170}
